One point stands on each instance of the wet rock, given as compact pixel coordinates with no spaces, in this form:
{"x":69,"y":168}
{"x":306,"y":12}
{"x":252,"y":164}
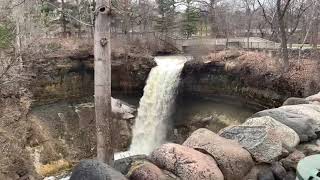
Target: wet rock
{"x":303,"y":125}
{"x":95,"y":170}
{"x":262,"y":143}
{"x":295,"y":101}
{"x":185,"y":162}
{"x":289,"y":137}
{"x":266,"y":175}
{"x":146,"y":171}
{"x":234,"y":161}
{"x":291,"y":162}
{"x":279,"y":172}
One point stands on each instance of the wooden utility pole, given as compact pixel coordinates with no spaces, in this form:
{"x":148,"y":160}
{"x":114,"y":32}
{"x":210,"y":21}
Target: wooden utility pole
{"x":102,"y":65}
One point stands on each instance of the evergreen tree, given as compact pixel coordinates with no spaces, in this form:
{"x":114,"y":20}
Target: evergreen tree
{"x":167,"y":13}
{"x":191,"y":18}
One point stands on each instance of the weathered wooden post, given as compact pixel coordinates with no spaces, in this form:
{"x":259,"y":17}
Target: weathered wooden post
{"x":102,"y":65}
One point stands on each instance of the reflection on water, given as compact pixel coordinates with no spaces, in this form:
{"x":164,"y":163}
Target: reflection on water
{"x":215,"y":112}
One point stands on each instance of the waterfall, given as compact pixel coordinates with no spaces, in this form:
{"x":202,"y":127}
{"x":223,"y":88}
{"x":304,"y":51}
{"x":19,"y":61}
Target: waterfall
{"x":156,"y":104}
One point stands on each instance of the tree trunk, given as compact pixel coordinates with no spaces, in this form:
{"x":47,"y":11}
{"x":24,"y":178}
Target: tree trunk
{"x":79,"y":16}
{"x":63,"y":19}
{"x":249,"y":29}
{"x":102,"y":61}
{"x":283,"y":34}
{"x":315,"y":33}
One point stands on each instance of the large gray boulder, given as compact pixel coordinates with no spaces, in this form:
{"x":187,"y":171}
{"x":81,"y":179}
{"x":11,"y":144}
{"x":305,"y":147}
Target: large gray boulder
{"x":95,"y":170}
{"x":186,"y":163}
{"x":289,"y":137}
{"x":308,"y":110}
{"x":262,"y":143}
{"x":234,"y":161}
{"x":303,"y":125}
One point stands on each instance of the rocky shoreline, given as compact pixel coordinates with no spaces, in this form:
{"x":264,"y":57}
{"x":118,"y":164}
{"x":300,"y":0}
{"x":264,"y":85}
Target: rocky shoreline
{"x":267,"y":146}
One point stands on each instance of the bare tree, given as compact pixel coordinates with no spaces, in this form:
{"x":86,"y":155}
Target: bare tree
{"x":251,"y":8}
{"x":102,"y":60}
{"x":277,"y":19}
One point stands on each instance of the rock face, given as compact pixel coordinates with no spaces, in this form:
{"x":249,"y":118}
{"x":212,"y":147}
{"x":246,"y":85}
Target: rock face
{"x":252,"y":75}
{"x":123,"y":114}
{"x":234,"y":161}
{"x":146,"y":171}
{"x":186,"y":163}
{"x":295,"y":101}
{"x":263,"y":143}
{"x":303,"y":125}
{"x":288,"y":136}
{"x":71,"y":77}
{"x":95,"y":170}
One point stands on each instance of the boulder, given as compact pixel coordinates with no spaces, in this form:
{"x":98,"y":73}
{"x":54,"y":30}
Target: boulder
{"x":253,"y":174}
{"x":95,"y":170}
{"x":303,"y":125}
{"x":145,"y":170}
{"x":185,"y":162}
{"x":289,"y":137}
{"x":266,"y":174}
{"x":315,"y":97}
{"x":123,"y":165}
{"x":309,"y":149}
{"x":295,"y":101}
{"x":124,"y":110}
{"x":308,"y":110}
{"x":234,"y":161}
{"x":290,"y":176}
{"x":279,"y":172}
{"x":263,"y":143}
{"x":291,"y":162}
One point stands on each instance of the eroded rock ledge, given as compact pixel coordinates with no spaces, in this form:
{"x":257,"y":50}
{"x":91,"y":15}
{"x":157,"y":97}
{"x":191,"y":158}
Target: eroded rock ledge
{"x":71,"y":77}
{"x":251,"y":75}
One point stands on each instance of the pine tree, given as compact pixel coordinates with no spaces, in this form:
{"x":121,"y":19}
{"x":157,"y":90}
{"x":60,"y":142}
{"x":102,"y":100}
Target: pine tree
{"x":190,"y":20}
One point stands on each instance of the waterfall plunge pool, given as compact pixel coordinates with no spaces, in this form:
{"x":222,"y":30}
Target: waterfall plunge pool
{"x":193,"y":112}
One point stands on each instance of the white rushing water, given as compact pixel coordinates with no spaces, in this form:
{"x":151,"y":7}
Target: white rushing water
{"x":156,"y":105}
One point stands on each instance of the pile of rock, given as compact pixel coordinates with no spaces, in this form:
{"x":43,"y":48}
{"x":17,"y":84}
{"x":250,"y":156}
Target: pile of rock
{"x":266,"y":146}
